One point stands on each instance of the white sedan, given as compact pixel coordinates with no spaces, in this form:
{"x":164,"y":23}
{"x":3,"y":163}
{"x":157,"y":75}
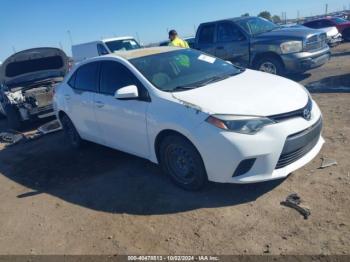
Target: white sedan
{"x":199,"y":117}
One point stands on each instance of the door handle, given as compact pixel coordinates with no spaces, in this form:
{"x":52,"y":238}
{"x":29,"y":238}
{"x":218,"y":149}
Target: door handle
{"x":67,"y":97}
{"x":220,"y":47}
{"x":99,"y":104}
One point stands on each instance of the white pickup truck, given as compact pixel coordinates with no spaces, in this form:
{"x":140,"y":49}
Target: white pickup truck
{"x":106,"y":46}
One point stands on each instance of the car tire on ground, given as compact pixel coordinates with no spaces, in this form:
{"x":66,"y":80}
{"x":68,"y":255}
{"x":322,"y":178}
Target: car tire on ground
{"x":182,"y":162}
{"x":14,"y":119}
{"x":270,"y":65}
{"x":71,"y":132}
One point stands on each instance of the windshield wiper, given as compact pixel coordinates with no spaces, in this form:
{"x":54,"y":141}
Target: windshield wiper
{"x":183,"y":88}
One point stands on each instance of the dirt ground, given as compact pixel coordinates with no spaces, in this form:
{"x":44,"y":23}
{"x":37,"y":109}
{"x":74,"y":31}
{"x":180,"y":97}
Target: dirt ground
{"x":54,"y":200}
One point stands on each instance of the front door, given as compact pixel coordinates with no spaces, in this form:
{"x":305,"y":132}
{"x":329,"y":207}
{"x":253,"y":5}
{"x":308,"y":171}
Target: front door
{"x":231,"y":44}
{"x":122,"y":122}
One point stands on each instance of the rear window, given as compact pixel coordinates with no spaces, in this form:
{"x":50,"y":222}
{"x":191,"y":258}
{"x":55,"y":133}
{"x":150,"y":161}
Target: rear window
{"x":33,"y":65}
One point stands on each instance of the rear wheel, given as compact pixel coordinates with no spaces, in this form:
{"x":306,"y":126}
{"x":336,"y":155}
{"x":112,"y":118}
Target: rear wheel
{"x":182,"y":162}
{"x":270,"y":65}
{"x":14,"y":119}
{"x":70,"y":132}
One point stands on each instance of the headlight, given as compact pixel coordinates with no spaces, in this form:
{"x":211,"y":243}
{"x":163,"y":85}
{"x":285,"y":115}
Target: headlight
{"x":291,"y":47}
{"x":240,"y":124}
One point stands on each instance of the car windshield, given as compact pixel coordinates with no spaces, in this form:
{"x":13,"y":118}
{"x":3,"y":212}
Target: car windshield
{"x":339,"y":20}
{"x":183,"y":69}
{"x":122,"y":45}
{"x":257,"y":25}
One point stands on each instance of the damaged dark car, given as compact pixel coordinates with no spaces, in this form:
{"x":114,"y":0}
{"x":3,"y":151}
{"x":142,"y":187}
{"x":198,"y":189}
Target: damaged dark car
{"x":27,"y":81}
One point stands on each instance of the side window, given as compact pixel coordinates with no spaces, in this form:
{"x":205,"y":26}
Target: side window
{"x":86,"y":78}
{"x":114,"y":76}
{"x":101,"y":50}
{"x":206,"y":34}
{"x":228,"y":32}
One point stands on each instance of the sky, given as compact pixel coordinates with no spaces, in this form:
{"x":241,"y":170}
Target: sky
{"x":26,"y":24}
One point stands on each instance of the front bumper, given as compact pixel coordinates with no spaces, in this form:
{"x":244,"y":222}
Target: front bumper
{"x":223,"y":153}
{"x":304,"y":61}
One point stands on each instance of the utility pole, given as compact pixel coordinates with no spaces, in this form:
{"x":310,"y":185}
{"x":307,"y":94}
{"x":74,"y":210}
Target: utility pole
{"x":14,"y":49}
{"x":60,"y":44}
{"x":70,"y":37}
{"x":326,"y":9}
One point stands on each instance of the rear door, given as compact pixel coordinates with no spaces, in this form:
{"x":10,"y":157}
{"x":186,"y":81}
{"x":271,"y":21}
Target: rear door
{"x":231,"y":44}
{"x":80,"y":101}
{"x":122,"y":122}
{"x":206,"y":38}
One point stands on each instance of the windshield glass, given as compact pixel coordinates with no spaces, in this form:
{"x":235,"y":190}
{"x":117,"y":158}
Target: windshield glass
{"x":256,"y":25}
{"x":122,"y":45}
{"x":339,"y":20}
{"x":183,"y":69}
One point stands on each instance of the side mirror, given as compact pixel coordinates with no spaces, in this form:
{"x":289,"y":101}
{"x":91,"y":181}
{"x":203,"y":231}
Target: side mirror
{"x":127,"y":92}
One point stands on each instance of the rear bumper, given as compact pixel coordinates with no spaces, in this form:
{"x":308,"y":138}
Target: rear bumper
{"x":304,"y":61}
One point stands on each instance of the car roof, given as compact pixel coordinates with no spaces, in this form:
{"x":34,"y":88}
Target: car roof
{"x":117,"y":38}
{"x":137,"y":53}
{"x":235,"y":19}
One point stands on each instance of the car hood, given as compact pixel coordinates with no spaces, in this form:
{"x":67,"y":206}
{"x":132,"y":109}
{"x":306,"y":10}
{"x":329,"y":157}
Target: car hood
{"x":249,"y":93}
{"x":33,"y":65}
{"x":289,"y":33}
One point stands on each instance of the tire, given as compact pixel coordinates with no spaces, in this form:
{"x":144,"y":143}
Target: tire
{"x":182,"y":162}
{"x":14,"y":119}
{"x":71,"y":132}
{"x":270,"y":65}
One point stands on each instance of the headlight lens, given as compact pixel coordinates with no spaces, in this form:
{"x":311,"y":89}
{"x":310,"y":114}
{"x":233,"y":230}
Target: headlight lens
{"x":291,"y":47}
{"x":241,"y":124}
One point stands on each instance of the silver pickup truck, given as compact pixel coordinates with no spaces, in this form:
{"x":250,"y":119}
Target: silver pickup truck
{"x":27,"y":81}
{"x":260,"y":44}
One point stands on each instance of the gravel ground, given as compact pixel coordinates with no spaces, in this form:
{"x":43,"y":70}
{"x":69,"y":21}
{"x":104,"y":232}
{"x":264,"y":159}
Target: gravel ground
{"x":55,"y":200}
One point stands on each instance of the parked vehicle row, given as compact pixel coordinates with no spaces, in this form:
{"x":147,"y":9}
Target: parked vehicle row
{"x":192,"y":113}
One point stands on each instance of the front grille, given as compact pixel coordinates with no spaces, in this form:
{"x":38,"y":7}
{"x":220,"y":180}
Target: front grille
{"x":299,"y":144}
{"x":293,"y":114}
{"x":316,"y":42}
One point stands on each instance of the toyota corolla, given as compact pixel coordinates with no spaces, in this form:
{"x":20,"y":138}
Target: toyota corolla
{"x":199,"y":117}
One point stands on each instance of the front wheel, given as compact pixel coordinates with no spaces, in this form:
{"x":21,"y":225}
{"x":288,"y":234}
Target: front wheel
{"x":270,"y":65}
{"x":182,"y":162}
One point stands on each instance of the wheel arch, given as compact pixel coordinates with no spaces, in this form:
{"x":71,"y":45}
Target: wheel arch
{"x":269,"y":54}
{"x":165,"y":133}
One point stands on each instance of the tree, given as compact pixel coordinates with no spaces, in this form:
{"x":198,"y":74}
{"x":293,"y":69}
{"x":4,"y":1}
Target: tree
{"x":276,"y":19}
{"x":266,"y":15}
{"x":246,"y":14}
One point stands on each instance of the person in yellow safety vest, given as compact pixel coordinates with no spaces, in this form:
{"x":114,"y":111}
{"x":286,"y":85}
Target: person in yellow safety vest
{"x":176,"y":41}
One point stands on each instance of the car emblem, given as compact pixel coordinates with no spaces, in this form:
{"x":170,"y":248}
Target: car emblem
{"x":307,"y":114}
